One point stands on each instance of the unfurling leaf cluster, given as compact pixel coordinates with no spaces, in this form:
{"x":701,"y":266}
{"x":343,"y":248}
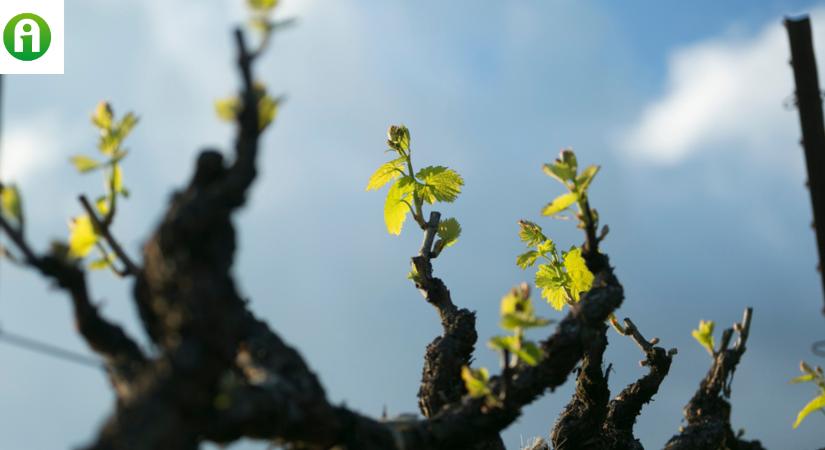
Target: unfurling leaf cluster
{"x":477,"y":383}
{"x":228,"y":108}
{"x":815,"y":376}
{"x":565,"y":169}
{"x":704,"y":335}
{"x":561,"y":277}
{"x":518,"y":315}
{"x":84,"y":235}
{"x":410,"y":190}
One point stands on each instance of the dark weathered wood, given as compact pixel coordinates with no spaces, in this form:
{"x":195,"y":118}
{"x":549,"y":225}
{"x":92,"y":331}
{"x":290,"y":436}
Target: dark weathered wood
{"x":809,"y":104}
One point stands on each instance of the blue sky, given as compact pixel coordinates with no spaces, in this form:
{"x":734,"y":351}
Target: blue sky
{"x":701,"y":184}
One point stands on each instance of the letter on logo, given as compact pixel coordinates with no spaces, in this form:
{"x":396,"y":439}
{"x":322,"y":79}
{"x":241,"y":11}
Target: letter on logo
{"x":26,"y":27}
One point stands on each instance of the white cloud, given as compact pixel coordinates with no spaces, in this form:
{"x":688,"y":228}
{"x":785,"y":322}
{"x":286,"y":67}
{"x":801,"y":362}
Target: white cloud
{"x":28,"y":147}
{"x":726,"y":92}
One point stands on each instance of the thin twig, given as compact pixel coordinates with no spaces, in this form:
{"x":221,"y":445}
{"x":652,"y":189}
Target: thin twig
{"x":743,"y":329}
{"x":17,"y":237}
{"x":131,"y":267}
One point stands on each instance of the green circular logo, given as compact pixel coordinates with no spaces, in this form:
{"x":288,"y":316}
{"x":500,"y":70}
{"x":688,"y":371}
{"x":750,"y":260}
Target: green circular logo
{"x":27,"y":36}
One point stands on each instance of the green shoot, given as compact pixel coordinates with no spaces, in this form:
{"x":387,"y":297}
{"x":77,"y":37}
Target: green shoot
{"x":561,"y":277}
{"x":228,"y":108}
{"x":562,"y":281}
{"x":517,"y":315}
{"x":704,"y":335}
{"x":410,"y":190}
{"x":815,"y":376}
{"x":83,"y":234}
{"x":477,"y":383}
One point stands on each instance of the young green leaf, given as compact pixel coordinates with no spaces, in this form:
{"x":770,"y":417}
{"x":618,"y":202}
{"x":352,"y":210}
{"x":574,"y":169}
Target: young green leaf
{"x":585,"y":178}
{"x":102,"y":205}
{"x":448,"y":231}
{"x":704,"y":335}
{"x":563,"y":168}
{"x":126,"y":125}
{"x":568,"y":158}
{"x":396,"y":206}
{"x":552,"y":282}
{"x":804,"y":378}
{"x":530,"y":353}
{"x":547,"y":247}
{"x":501,"y":343}
{"x":82,"y":236}
{"x":103,"y":115}
{"x":84,"y":164}
{"x":560,"y":203}
{"x":227,"y":109}
{"x":527,"y":259}
{"x":440,"y":184}
{"x":517,"y":300}
{"x":815,"y":404}
{"x":102,"y":263}
{"x":267,"y":110}
{"x":11,"y":203}
{"x":476,"y":381}
{"x":262,"y":5}
{"x":581,"y":279}
{"x":530,"y":233}
{"x":513,"y":321}
{"x":386,"y":173}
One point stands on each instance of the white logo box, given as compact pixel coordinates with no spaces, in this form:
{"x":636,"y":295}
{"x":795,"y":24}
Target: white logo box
{"x":52,"y":61}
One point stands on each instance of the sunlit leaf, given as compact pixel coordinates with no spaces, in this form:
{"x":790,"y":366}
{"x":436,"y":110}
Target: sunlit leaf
{"x":126,"y":125}
{"x":102,"y":263}
{"x":82,"y":236}
{"x":448,"y":231}
{"x":530,"y":353}
{"x":395,"y":208}
{"x":440,"y":184}
{"x":84,"y":164}
{"x":530,"y":233}
{"x":815,"y":404}
{"x":267,"y":111}
{"x":516,"y":301}
{"x":560,"y":203}
{"x":228,"y":109}
{"x":102,"y":205}
{"x":102,"y":117}
{"x":262,"y":5}
{"x":803,"y":378}
{"x":585,"y":178}
{"x":519,"y":320}
{"x":11,"y":204}
{"x":525,"y":351}
{"x":547,"y":247}
{"x":581,"y":279}
{"x":386,"y":173}
{"x":527,"y":259}
{"x":552,"y":282}
{"x":476,"y":381}
{"x":704,"y":335}
{"x":568,"y":157}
